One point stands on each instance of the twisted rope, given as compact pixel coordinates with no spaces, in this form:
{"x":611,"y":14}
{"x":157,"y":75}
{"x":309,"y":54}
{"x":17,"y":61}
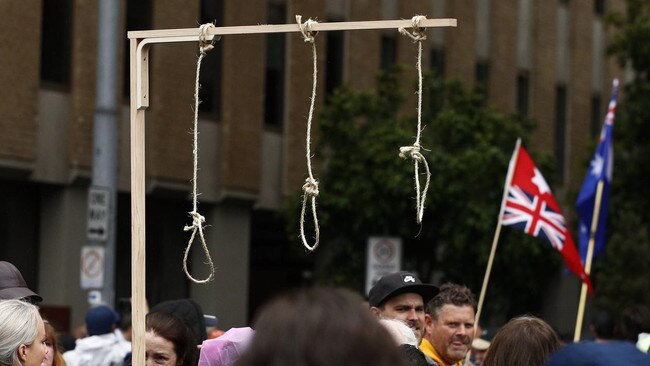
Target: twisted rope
{"x":310,"y":188}
{"x":413,"y":151}
{"x":197,"y":219}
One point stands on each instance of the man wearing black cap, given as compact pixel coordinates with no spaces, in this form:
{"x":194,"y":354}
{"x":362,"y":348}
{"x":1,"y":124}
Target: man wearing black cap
{"x":401,"y":295}
{"x":13,"y":285}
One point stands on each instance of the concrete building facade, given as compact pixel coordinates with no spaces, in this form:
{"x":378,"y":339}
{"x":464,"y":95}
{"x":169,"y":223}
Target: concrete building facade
{"x":545,"y":59}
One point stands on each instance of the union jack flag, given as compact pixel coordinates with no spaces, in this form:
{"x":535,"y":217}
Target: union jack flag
{"x":533,"y":215}
{"x":531,"y":207}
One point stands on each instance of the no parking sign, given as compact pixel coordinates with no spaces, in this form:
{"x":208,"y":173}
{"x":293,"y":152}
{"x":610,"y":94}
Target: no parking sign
{"x":92,"y":267}
{"x":384,"y":256}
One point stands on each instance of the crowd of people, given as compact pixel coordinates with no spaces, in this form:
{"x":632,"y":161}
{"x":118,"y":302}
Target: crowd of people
{"x":403,"y":322}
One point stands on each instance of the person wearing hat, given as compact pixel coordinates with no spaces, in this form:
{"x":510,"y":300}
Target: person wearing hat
{"x":13,"y":285}
{"x":449,"y":325}
{"x":102,"y":347}
{"x":479,"y":348}
{"x":401,"y":295}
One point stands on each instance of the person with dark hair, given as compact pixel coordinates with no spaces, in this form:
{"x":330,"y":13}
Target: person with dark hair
{"x":13,"y":285}
{"x":401,"y":295}
{"x":319,"y":327}
{"x":449,"y":325}
{"x":634,"y":321}
{"x":413,"y":355}
{"x":524,"y":340}
{"x":169,"y":341}
{"x":188,"y":310}
{"x":602,"y":327}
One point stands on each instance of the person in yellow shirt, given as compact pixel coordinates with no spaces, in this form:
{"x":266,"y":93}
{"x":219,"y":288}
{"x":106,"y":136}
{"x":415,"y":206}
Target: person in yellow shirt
{"x":449,"y":325}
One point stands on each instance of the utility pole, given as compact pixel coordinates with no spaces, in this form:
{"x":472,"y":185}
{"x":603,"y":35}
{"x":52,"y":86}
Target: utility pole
{"x":102,"y":196}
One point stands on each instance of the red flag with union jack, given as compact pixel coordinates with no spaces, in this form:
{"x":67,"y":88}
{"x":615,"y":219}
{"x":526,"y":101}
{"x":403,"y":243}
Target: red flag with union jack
{"x":531,"y":207}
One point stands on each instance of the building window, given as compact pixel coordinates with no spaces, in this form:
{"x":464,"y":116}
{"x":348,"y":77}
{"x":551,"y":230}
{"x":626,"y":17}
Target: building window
{"x":56,"y":33}
{"x":210,"y":78}
{"x":438,"y":62}
{"x":388,"y":51}
{"x":334,"y":71}
{"x":560,"y":126}
{"x":138,"y":17}
{"x":599,"y":7}
{"x":275,"y":67}
{"x":523,"y":88}
{"x":482,"y":77}
{"x":596,"y":116}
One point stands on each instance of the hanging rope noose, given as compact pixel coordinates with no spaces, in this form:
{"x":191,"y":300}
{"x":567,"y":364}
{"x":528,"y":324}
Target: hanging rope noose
{"x":310,"y":188}
{"x":197,"y":219}
{"x":417,"y":35}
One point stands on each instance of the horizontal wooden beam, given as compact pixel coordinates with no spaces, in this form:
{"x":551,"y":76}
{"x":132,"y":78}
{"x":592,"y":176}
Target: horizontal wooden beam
{"x":192,"y":34}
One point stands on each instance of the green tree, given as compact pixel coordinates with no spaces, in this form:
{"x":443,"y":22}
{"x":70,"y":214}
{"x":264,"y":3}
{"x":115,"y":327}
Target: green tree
{"x":367,"y":190}
{"x":622,"y":274}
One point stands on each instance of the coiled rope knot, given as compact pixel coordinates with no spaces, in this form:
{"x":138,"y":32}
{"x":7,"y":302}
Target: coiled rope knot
{"x":197,"y":221}
{"x":306,"y":29}
{"x":310,"y":187}
{"x":412,"y":151}
{"x":205,"y":45}
{"x":417,"y":35}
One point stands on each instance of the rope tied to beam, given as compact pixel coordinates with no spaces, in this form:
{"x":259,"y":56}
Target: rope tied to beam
{"x":204,"y":44}
{"x":310,"y":188}
{"x":197,"y":219}
{"x":413,"y":151}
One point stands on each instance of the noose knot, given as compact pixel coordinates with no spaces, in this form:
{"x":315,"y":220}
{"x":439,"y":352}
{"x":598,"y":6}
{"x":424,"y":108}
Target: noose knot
{"x":412,"y":151}
{"x":197,"y":221}
{"x":310,"y":187}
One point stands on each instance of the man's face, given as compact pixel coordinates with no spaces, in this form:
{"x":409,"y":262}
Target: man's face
{"x":451,"y":332}
{"x":408,"y":308}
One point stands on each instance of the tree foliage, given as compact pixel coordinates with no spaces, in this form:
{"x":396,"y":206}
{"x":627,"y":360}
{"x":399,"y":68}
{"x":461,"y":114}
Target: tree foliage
{"x":622,"y":274}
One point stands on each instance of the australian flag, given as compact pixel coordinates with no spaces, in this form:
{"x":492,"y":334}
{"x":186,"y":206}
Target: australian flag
{"x":600,"y":170}
{"x":531,"y":207}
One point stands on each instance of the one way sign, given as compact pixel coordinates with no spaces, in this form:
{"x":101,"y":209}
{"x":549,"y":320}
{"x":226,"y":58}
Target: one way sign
{"x":98,"y":206}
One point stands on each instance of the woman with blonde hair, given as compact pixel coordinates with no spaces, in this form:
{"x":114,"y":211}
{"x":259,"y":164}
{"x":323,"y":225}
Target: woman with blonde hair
{"x":22,"y":334}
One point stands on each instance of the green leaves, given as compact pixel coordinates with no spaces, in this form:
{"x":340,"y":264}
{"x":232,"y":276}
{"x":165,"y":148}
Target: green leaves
{"x":622,"y":273}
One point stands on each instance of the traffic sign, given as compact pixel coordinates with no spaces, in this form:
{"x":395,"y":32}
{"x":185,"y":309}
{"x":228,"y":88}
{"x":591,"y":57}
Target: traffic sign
{"x":384,"y":255}
{"x":98,"y":213}
{"x":92,"y":267}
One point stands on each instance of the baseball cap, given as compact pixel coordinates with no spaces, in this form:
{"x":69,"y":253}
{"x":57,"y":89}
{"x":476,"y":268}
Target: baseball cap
{"x":100,"y":320}
{"x":13,"y":285}
{"x":398,"y":283}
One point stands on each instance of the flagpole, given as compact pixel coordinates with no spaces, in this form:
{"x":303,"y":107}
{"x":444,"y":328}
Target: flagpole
{"x":588,"y":260}
{"x":488,"y":269}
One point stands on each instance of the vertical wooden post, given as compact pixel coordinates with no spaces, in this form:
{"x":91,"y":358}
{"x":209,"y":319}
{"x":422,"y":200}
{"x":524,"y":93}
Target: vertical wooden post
{"x":138,"y":217}
{"x":590,"y":254}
